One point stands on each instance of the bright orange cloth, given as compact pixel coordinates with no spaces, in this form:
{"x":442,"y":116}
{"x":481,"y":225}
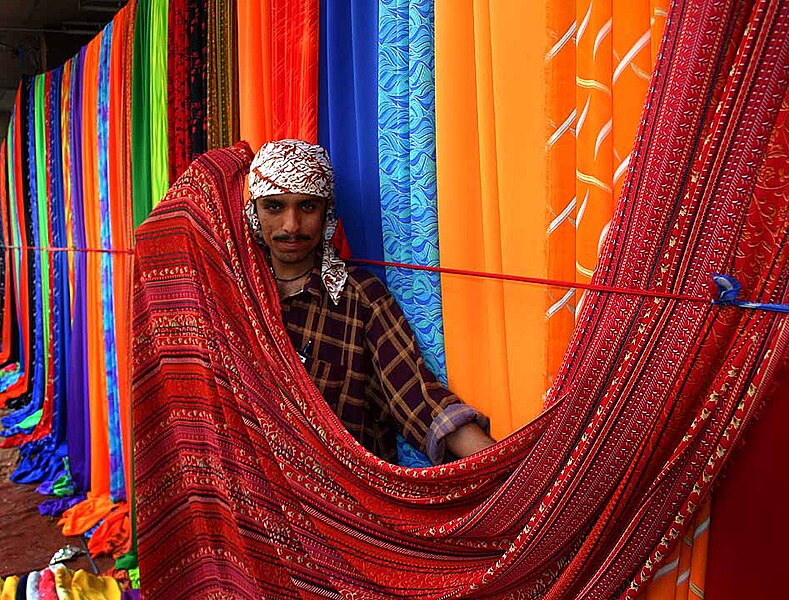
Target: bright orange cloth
{"x":531,"y":160}
{"x":113,"y":535}
{"x":491,"y":208}
{"x":81,"y":517}
{"x":99,"y":442}
{"x":278,"y":69}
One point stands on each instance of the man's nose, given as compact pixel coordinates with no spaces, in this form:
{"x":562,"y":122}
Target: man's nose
{"x":291,"y":221}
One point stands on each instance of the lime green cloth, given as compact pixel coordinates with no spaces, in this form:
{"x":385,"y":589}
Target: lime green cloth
{"x":160,"y":171}
{"x":140,"y":109}
{"x":32,"y":420}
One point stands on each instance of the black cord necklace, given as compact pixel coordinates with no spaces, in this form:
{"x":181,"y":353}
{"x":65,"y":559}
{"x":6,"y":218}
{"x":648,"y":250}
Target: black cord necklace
{"x":292,"y":278}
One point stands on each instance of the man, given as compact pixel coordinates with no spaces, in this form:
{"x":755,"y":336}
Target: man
{"x":349,"y":331}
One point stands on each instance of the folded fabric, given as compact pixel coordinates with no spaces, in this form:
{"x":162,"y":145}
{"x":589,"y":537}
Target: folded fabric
{"x":21,"y":588}
{"x":56,"y":506}
{"x":46,"y":586}
{"x":9,"y":588}
{"x":32,"y":585}
{"x":81,"y":517}
{"x":82,"y":585}
{"x":113,"y":535}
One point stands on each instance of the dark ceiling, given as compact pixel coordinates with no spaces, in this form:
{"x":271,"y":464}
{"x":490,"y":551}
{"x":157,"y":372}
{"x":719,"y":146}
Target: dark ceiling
{"x":38,"y":35}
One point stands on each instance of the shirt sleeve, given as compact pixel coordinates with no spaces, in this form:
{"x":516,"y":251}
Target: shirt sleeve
{"x":424,"y":410}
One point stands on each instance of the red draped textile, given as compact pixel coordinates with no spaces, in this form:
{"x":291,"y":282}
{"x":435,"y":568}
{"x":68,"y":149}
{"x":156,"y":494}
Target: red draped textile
{"x":248,"y":487}
{"x":178,"y":134}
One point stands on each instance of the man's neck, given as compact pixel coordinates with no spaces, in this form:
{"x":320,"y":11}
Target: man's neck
{"x":291,"y":277}
{"x":290,"y":271}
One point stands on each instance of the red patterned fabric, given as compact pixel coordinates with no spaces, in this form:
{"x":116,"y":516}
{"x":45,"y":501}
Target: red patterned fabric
{"x":751,"y":522}
{"x":178,"y":134}
{"x":248,"y":487}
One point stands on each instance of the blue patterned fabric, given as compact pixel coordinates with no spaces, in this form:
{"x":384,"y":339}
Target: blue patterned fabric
{"x":42,"y":460}
{"x":61,"y":331}
{"x":36,"y":369}
{"x":407,"y":158}
{"x":117,"y":478}
{"x":347,"y":118}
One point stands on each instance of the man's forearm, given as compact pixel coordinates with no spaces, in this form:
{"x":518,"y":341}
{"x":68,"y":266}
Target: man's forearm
{"x":467,"y":439}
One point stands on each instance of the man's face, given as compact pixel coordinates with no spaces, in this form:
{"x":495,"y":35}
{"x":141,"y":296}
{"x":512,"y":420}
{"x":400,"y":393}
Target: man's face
{"x":292,"y":225}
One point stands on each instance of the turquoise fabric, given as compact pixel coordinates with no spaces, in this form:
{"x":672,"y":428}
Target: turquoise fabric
{"x":407,"y":159}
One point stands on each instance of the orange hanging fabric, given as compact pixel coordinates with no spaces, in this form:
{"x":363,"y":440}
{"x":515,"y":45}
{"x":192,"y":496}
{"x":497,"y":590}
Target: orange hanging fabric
{"x":99,"y":443}
{"x":278,"y":69}
{"x":491,"y":208}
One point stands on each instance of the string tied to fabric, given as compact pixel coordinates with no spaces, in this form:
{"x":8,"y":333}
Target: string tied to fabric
{"x":728,"y":287}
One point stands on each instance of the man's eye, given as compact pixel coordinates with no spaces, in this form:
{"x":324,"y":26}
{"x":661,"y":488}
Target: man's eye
{"x":308,"y":206}
{"x":271,"y":206}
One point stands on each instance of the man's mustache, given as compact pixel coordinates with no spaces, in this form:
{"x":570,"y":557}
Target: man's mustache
{"x":299,"y":237}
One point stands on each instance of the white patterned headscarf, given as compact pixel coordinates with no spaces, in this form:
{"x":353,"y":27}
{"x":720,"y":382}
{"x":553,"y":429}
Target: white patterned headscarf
{"x":298,"y":167}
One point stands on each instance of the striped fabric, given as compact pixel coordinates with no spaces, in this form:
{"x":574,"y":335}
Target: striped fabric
{"x":247,"y":486}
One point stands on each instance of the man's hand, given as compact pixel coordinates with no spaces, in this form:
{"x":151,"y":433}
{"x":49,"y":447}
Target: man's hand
{"x":467,"y":439}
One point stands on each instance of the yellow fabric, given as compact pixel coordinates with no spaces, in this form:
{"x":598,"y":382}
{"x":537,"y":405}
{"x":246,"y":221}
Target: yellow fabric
{"x":9,"y":588}
{"x":81,"y":585}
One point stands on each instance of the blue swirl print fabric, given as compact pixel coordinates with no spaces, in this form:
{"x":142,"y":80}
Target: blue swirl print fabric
{"x":42,"y":460}
{"x":34,"y":455}
{"x":407,"y":158}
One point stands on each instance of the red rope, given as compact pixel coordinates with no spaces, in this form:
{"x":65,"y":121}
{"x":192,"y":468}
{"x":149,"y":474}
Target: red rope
{"x":69,"y":249}
{"x":538,"y":280}
{"x":447,"y":271}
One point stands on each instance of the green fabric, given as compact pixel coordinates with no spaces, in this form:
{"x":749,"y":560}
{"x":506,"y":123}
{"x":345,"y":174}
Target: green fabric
{"x":32,"y":420}
{"x":160,"y":172}
{"x":141,"y":147}
{"x":134,"y":576}
{"x":43,"y":210}
{"x":127,"y":562}
{"x":63,"y":486}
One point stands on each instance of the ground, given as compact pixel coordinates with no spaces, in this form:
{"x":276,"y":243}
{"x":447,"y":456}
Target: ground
{"x":30,"y":540}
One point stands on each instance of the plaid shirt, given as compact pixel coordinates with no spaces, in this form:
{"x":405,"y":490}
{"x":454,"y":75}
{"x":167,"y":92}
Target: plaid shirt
{"x":364,"y":359}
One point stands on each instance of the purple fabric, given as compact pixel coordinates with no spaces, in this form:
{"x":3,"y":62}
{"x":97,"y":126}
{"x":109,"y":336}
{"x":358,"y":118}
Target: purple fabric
{"x":130,"y":595}
{"x":57,"y":506}
{"x":78,"y":425}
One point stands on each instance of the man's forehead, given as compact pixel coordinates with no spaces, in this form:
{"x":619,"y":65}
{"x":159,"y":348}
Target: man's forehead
{"x":289,"y":198}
